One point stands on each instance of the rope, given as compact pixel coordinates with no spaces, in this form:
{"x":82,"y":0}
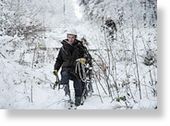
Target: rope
{"x":78,"y":68}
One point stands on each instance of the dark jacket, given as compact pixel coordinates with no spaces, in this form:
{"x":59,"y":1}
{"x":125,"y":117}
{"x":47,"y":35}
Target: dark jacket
{"x":68,"y":54}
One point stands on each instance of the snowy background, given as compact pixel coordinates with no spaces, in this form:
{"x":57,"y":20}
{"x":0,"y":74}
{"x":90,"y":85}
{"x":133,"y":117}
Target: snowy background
{"x":125,"y":69}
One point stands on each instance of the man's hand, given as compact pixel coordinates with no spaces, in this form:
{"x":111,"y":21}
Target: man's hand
{"x":81,"y":60}
{"x":55,"y":72}
{"x":56,"y":82}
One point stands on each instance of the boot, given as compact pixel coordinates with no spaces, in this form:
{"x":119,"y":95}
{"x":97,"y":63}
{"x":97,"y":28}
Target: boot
{"x":77,"y":101}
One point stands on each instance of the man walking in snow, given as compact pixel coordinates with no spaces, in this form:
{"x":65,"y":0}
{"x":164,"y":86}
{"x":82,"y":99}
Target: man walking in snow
{"x":72,"y":51}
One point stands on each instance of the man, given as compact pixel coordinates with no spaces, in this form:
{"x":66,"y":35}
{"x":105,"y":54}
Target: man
{"x":110,"y":28}
{"x":72,"y":51}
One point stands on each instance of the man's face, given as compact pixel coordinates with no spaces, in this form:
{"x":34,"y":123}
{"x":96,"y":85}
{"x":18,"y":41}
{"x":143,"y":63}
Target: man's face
{"x":71,"y":38}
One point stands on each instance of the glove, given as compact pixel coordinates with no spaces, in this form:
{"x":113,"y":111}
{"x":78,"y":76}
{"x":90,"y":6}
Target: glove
{"x":81,"y":60}
{"x":55,"y":72}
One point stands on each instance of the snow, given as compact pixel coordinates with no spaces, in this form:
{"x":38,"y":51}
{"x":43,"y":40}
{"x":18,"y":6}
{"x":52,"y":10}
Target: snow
{"x":26,"y":70}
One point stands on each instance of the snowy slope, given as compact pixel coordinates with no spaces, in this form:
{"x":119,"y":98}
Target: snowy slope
{"x":26,"y":69}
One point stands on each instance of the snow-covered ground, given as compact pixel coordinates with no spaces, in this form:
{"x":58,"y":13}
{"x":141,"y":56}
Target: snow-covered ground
{"x":26,"y":84}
